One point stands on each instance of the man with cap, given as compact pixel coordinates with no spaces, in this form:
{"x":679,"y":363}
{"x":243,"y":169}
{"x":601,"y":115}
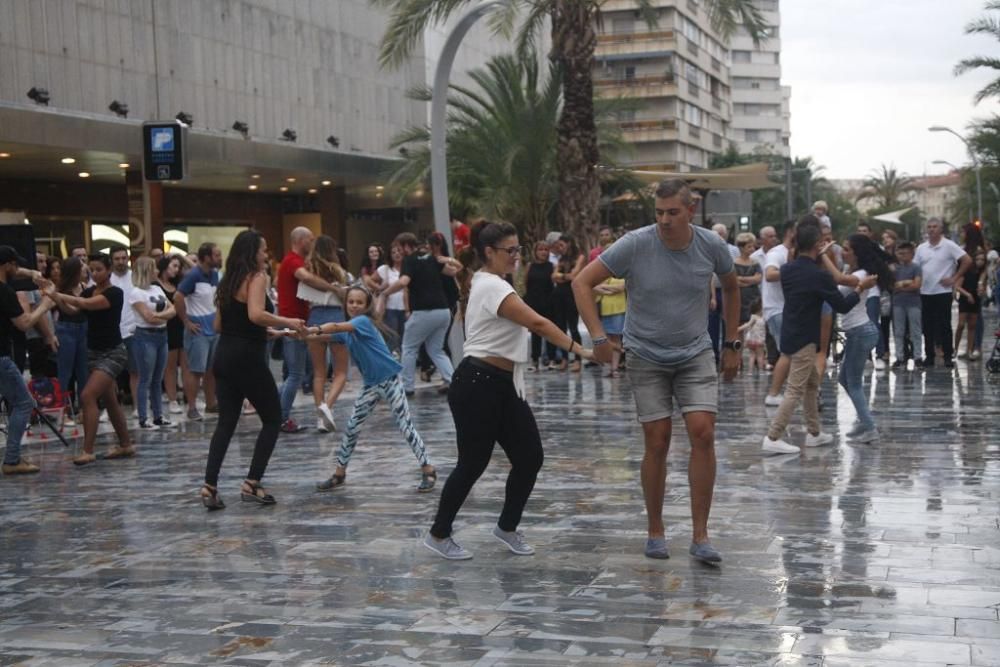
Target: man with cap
{"x":12,"y":387}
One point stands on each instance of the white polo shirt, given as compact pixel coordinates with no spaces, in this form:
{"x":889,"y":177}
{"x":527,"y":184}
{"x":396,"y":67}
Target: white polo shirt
{"x":771,"y":294}
{"x":937,"y":262}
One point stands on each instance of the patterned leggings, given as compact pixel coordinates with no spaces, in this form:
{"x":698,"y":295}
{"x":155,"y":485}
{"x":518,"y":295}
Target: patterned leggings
{"x":390,"y":390}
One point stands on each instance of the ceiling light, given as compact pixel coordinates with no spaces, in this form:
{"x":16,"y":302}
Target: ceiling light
{"x":185,"y":117}
{"x":251,"y":187}
{"x":242,"y":127}
{"x":4,"y":155}
{"x":68,"y":160}
{"x":39,"y":95}
{"x":313,"y":191}
{"x":84,"y":174}
{"x":290,"y":179}
{"x":124,"y":165}
{"x":380,"y":187}
{"x":333,"y":141}
{"x":254,"y":175}
{"x":284,"y":188}
{"x":289,"y":134}
{"x":324,"y":182}
{"x":119,"y":108}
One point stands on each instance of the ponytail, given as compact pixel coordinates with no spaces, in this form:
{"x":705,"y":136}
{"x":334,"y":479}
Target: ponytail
{"x":485,"y":234}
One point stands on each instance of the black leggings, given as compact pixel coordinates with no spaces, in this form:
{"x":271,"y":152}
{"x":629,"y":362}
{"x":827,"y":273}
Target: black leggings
{"x":241,"y":372}
{"x":487,"y":410}
{"x":565,"y":315}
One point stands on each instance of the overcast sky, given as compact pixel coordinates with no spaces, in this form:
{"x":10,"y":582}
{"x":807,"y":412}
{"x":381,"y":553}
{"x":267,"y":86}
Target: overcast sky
{"x":869,"y":77}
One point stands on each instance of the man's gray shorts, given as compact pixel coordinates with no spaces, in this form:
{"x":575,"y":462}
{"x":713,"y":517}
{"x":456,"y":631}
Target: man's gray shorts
{"x":694,"y":383}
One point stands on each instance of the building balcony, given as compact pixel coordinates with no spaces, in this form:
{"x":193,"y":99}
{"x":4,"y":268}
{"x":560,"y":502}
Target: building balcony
{"x":644,"y":131}
{"x":638,"y":87}
{"x":649,"y":44}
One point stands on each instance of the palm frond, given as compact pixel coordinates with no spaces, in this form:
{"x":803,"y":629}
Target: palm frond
{"x":975,"y":62}
{"x":727,"y":16}
{"x":991,"y":90}
{"x":984,"y":25}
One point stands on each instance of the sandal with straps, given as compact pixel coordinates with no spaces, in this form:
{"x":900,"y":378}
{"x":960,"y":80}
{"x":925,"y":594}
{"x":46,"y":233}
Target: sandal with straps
{"x":427,"y":481}
{"x":332,"y":483}
{"x":84,"y":459}
{"x":211,"y":499}
{"x":257,"y":494}
{"x":120,"y":453}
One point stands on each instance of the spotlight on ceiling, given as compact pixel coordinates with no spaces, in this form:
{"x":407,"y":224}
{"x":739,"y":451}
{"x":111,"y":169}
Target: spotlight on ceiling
{"x":289,"y":134}
{"x":119,"y":108}
{"x":39,"y":96}
{"x":185,"y":117}
{"x":333,"y":141}
{"x":242,"y":128}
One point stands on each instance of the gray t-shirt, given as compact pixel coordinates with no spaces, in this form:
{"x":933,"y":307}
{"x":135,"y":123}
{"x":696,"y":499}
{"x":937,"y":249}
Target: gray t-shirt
{"x":906,"y":272}
{"x":668,"y":292}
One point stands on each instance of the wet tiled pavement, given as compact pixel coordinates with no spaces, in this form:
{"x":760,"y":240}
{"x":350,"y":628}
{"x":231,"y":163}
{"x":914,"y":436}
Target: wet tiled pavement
{"x":843,"y":556}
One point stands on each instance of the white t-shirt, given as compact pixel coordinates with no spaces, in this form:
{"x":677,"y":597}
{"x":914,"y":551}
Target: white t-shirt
{"x":390,"y":275}
{"x":486,"y":333}
{"x":937,"y":262}
{"x":759,"y":255}
{"x":859,"y":314}
{"x":154,"y":298}
{"x":771,"y":294}
{"x":124,"y":283}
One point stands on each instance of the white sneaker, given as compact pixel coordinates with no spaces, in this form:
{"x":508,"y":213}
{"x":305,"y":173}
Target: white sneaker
{"x":176,"y":408}
{"x":880,"y":364}
{"x":104,"y":417}
{"x":778,"y":447}
{"x":774,"y":401}
{"x":513,"y":541}
{"x":446,"y":548}
{"x":326,"y":416}
{"x":819,"y":439}
{"x":321,"y":426}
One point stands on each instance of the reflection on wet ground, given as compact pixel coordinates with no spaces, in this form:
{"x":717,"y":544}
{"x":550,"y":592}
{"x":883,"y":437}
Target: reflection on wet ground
{"x":846,"y":555}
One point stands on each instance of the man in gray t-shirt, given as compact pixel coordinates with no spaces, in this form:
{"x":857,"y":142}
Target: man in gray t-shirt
{"x":668,"y":269}
{"x":906,"y":309}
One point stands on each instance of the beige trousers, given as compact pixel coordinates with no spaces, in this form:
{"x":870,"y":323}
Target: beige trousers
{"x":802,"y":386}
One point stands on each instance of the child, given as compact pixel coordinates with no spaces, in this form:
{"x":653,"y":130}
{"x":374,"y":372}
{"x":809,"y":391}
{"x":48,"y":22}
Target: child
{"x":380,"y":372}
{"x":907,"y":324}
{"x":755,"y":332}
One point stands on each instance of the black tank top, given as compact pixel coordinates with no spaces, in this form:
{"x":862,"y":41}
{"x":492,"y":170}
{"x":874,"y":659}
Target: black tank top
{"x":236,"y":321}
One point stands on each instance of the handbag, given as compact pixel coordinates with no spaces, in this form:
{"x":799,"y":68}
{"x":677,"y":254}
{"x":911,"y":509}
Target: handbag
{"x":316,"y":297}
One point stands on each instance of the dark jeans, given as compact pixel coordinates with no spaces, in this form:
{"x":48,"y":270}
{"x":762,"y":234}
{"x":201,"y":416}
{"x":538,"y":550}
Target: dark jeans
{"x":715,"y":324}
{"x":565,"y":316}
{"x":396,"y":320}
{"x":72,"y":358}
{"x":487,"y":410}
{"x":539,"y":346}
{"x":19,"y":404}
{"x":241,"y":372}
{"x":936,"y":316}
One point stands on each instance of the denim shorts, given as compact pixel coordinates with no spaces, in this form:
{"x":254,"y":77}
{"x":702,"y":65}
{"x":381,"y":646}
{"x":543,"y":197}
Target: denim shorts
{"x":111,"y":361}
{"x":694,"y":383}
{"x":613,"y":325}
{"x":199,"y":350}
{"x":319,"y":315}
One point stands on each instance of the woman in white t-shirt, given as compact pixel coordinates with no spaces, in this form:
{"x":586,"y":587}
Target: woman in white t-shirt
{"x":395,"y":306}
{"x":861,"y":334}
{"x":152,"y":309}
{"x":486,"y":396}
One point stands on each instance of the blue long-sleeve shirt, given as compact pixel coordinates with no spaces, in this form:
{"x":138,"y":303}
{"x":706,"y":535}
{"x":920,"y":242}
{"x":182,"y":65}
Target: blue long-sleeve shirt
{"x":806,"y":286}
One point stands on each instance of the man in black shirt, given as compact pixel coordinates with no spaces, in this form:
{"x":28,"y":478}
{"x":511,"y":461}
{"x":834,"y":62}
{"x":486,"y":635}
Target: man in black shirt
{"x":428,"y":315}
{"x":12,"y":387}
{"x":806,"y":286}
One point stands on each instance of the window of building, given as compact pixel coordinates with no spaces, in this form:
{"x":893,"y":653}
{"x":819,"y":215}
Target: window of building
{"x":751,"y":135}
{"x":741,"y":56}
{"x":692,"y":115}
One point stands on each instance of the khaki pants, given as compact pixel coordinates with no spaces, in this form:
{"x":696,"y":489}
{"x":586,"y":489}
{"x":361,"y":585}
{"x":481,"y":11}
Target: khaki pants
{"x":802,"y":386}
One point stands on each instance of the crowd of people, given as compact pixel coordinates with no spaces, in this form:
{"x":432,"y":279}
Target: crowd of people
{"x":670,"y":304}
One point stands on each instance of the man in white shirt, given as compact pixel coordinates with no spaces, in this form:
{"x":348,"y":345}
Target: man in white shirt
{"x":942,"y":263}
{"x":773,"y":299}
{"x":768,"y":239}
{"x":121,"y":277}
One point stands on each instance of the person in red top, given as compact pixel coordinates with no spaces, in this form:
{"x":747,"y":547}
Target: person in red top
{"x":459,"y":236}
{"x":290,"y":305}
{"x":605,"y":237}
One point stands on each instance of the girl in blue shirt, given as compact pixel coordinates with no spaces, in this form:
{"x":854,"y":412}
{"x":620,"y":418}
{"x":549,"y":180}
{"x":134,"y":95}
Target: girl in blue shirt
{"x":363,"y":334}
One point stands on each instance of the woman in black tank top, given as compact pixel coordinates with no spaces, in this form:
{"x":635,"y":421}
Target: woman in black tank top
{"x":244,"y":317}
{"x":168,"y":268}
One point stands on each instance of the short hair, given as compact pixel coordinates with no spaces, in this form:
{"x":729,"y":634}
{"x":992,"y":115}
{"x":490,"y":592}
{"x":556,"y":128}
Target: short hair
{"x":205,"y":250}
{"x":675,"y":187}
{"x":788,"y":226}
{"x":298,"y":233}
{"x":102,"y":258}
{"x":820,"y":204}
{"x":904,"y":245}
{"x":115,"y":249}
{"x":603,"y":227}
{"x":864,"y":224}
{"x":937,"y":220}
{"x":745,"y":237}
{"x":144,"y":272}
{"x":406,"y":239}
{"x":807,"y":234}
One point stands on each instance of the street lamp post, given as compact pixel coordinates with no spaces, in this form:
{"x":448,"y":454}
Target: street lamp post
{"x":975,"y":164}
{"x":959,"y":170}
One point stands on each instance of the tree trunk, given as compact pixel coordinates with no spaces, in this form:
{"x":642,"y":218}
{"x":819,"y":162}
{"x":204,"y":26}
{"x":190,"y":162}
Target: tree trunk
{"x":573,"y":44}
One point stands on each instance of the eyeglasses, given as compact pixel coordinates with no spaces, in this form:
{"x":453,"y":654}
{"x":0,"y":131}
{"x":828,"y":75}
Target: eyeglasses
{"x":513,"y":250}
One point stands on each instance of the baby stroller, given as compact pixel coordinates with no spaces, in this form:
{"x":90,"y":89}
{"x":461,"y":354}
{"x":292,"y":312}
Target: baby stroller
{"x":993,"y":365}
{"x":51,"y":404}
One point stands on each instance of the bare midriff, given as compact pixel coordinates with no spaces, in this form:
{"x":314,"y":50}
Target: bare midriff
{"x":499,"y":362}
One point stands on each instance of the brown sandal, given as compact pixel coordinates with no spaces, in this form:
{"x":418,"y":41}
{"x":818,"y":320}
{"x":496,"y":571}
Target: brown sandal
{"x":120,"y":453}
{"x":84,"y":459}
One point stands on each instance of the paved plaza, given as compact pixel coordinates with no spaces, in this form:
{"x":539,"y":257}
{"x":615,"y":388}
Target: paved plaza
{"x":843,"y":556}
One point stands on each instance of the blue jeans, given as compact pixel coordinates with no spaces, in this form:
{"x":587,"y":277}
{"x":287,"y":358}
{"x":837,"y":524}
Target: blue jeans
{"x":13,"y":389}
{"x":861,"y":340}
{"x":396,"y":320}
{"x":151,"y":358}
{"x":874,"y":309}
{"x":71,"y":361}
{"x":901,"y":316}
{"x":296,"y":354}
{"x":430,"y":327}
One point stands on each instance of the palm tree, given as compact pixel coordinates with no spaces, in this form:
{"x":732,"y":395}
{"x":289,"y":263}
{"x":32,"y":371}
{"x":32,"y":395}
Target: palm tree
{"x":574,"y":41}
{"x":501,"y":143}
{"x":888,"y":187}
{"x":985,"y":25}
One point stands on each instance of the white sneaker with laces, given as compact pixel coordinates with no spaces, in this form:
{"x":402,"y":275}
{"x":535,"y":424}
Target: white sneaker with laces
{"x":326,"y":414}
{"x":818,"y":440}
{"x":774,"y":401}
{"x":176,"y":408}
{"x":514,"y":541}
{"x":778,"y":447}
{"x":446,"y":548}
{"x":321,"y":426}
{"x":880,"y":364}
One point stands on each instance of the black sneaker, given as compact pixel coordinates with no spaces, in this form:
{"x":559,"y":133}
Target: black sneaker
{"x":948,"y":363}
{"x":146,"y":426}
{"x":163,"y":422}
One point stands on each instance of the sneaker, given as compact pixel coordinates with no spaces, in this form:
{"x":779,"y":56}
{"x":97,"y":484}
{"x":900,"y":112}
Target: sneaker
{"x":194,"y":415}
{"x":291,"y":427}
{"x":880,"y":364}
{"x":656,"y":547}
{"x":778,"y":447}
{"x":868,"y":436}
{"x":774,"y":401}
{"x":514,"y":541}
{"x":146,"y":426}
{"x":818,"y":440}
{"x":856,"y":430}
{"x":446,"y":548}
{"x":103,"y":418}
{"x":705,"y":552}
{"x":976,"y":354}
{"x":443,"y":387}
{"x":22,"y":467}
{"x":68,"y":421}
{"x":899,"y":364}
{"x":176,"y":408}
{"x":321,"y":426}
{"x":213,"y":410}
{"x":948,"y":363}
{"x":163,"y":422}
{"x":326,"y":416}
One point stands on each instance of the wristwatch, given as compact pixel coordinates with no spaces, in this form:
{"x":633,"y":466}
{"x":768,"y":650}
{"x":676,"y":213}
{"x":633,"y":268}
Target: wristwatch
{"x":735,"y":345}
{"x":598,"y":341}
